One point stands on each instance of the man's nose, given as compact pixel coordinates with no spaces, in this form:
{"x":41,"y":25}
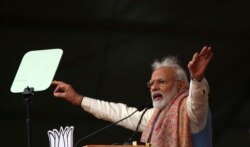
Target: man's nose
{"x":154,"y":87}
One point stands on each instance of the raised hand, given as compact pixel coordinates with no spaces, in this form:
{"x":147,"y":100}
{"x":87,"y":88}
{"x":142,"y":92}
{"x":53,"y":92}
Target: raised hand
{"x":67,"y":92}
{"x":197,"y":66}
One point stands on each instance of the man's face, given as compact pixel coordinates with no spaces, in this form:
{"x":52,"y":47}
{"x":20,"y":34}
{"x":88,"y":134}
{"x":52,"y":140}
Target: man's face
{"x":163,"y":86}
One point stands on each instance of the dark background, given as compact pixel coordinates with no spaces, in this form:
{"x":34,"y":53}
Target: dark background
{"x":108,"y":48}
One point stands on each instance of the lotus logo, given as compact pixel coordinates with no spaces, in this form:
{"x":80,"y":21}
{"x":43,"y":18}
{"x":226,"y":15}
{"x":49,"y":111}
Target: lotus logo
{"x":62,"y":138}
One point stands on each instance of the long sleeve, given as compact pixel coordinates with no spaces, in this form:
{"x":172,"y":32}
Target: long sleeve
{"x":197,"y":104}
{"x":113,"y":112}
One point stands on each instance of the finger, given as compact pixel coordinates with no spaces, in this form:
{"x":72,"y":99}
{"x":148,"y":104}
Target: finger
{"x":208,"y":52}
{"x":190,"y":64}
{"x":57,"y":82}
{"x":60,"y":89}
{"x":203,"y":51}
{"x":61,"y":95}
{"x":210,"y":56}
{"x":56,"y":90}
{"x":195,"y":56}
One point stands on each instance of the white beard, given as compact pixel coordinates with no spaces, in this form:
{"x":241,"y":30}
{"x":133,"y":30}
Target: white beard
{"x":159,"y":104}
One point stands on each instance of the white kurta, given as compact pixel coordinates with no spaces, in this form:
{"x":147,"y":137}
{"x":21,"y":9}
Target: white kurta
{"x":197,"y":107}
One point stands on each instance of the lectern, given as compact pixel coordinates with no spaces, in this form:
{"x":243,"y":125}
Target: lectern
{"x":134,"y":144}
{"x":116,"y":146}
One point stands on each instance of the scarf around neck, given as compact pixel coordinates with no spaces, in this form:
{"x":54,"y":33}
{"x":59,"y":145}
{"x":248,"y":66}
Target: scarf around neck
{"x":169,"y":127}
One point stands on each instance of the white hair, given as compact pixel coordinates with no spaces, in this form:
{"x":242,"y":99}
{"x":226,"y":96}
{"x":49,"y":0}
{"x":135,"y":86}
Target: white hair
{"x":171,"y":61}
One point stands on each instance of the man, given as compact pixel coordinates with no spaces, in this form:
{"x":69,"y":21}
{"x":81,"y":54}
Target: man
{"x":180,"y":117}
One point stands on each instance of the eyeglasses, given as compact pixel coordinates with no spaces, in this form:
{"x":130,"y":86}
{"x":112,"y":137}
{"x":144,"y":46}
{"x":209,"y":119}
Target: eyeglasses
{"x":158,"y":82}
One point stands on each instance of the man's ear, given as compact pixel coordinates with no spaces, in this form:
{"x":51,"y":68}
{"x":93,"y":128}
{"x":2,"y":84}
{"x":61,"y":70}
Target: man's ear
{"x":181,"y":85}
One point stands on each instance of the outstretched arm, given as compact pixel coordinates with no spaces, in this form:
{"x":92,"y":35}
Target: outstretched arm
{"x":101,"y":109}
{"x":197,"y":102}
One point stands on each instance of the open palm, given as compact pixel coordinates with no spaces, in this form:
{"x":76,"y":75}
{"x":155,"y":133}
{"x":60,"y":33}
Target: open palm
{"x":197,"y":66}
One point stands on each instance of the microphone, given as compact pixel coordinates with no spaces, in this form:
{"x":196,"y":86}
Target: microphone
{"x":130,"y":139}
{"x":140,"y":108}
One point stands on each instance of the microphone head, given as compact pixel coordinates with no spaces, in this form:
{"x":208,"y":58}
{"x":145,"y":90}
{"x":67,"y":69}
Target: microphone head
{"x":149,"y":105}
{"x":143,"y":106}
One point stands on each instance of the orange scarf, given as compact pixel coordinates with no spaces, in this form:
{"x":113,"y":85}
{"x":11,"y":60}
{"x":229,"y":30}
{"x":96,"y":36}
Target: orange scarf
{"x":170,"y":127}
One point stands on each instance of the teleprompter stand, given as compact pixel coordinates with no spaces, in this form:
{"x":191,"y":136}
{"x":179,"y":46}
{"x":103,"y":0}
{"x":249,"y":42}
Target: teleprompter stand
{"x":27,"y":93}
{"x":35,"y":73}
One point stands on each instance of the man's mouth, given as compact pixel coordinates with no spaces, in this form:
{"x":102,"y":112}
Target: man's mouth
{"x":157,"y":96}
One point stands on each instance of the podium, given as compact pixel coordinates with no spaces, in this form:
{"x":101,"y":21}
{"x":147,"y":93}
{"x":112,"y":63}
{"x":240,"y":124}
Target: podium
{"x":116,"y":146}
{"x":134,"y":144}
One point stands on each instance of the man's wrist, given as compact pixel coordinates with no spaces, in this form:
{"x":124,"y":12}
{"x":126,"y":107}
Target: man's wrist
{"x":198,"y":79}
{"x":78,"y":100}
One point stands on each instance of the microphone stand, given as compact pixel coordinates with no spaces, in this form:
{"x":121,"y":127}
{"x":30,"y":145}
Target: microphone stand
{"x":93,"y":133}
{"x":130,"y":140}
{"x":27,"y":93}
